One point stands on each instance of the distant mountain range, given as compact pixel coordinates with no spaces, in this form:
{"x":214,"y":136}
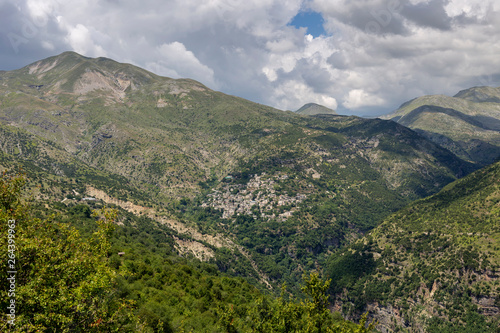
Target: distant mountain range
{"x":168,"y":135}
{"x":312,"y":109}
{"x":468,"y":123}
{"x":172,"y":139}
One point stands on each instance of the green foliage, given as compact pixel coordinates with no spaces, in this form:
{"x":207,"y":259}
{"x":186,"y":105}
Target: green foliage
{"x":174,"y":141}
{"x":10,"y":199}
{"x":62,"y":282}
{"x":75,"y":282}
{"x":292,"y":315}
{"x":474,"y":323}
{"x":347,"y":268}
{"x":431,"y":259}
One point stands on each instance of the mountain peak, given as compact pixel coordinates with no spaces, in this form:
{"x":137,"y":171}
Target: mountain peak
{"x":483,"y":94}
{"x":71,"y":70}
{"x":311,"y":109}
{"x":87,"y":78}
{"x":468,"y":124}
{"x":66,"y":59}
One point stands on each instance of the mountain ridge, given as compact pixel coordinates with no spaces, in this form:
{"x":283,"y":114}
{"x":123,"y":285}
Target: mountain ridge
{"x":483,"y":94}
{"x":261,"y":194}
{"x":468,"y":124}
{"x":66,"y":105}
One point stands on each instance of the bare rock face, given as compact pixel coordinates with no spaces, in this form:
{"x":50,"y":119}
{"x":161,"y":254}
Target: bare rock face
{"x":387,"y":317}
{"x":487,"y":305}
{"x":92,"y":80}
{"x":40,"y":67}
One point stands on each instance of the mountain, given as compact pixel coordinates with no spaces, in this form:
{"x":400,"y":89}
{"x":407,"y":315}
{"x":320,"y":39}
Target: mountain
{"x":93,"y":269}
{"x":480,"y":94}
{"x":264,"y":194}
{"x":433,"y":266}
{"x":312,"y":109}
{"x":468,"y":124}
{"x":164,"y":135}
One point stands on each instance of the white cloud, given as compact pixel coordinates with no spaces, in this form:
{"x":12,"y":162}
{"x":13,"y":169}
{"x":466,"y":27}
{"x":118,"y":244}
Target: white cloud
{"x":244,"y":47}
{"x":270,"y":74}
{"x":48,"y":46}
{"x":41,"y":10}
{"x":358,"y":98}
{"x":293,"y":94}
{"x":471,"y":8}
{"x":82,"y":39}
{"x":175,"y":61}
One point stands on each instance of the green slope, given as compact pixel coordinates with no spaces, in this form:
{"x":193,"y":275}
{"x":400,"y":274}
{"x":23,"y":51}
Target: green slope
{"x":294,"y":207}
{"x":468,"y":124}
{"x":433,"y":266}
{"x":269,"y":194}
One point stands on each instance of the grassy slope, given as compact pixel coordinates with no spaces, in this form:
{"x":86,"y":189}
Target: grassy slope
{"x":164,"y":135}
{"x":353,"y":173}
{"x":434,"y":265}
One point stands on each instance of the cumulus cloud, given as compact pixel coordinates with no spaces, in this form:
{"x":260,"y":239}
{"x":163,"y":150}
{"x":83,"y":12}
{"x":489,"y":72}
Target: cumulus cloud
{"x":175,"y":61}
{"x":84,"y":40}
{"x":291,"y":94}
{"x":358,"y":98}
{"x":404,"y":49}
{"x":376,"y":53}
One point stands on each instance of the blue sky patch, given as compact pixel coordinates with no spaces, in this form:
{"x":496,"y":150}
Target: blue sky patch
{"x":313,"y":21}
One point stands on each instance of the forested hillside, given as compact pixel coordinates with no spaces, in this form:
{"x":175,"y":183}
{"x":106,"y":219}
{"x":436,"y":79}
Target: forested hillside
{"x":83,"y":270}
{"x":433,"y":266}
{"x":267,"y":194}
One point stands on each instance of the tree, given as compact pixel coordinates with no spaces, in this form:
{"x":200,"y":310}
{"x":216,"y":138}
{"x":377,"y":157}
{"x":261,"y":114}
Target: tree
{"x":307,"y":316}
{"x":63,"y":282}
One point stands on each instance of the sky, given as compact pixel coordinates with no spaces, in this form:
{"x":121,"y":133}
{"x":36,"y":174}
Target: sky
{"x":361,"y":57}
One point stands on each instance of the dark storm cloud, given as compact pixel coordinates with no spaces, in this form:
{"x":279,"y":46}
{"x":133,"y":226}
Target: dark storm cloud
{"x":431,"y":14}
{"x":26,"y":38}
{"x":374,"y":17}
{"x":15,"y":35}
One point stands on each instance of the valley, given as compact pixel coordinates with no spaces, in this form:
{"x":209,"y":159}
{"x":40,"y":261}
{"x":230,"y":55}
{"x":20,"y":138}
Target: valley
{"x":402,"y":216}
